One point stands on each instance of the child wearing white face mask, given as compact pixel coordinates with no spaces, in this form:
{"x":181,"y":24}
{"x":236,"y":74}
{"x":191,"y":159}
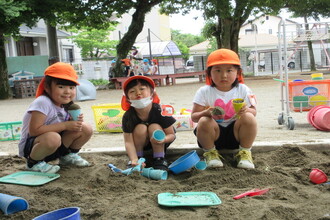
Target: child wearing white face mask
{"x":142,"y":117}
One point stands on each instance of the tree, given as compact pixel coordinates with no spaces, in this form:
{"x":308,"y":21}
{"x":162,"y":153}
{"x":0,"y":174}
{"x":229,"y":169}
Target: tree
{"x":13,"y":13}
{"x":228,"y":16}
{"x":141,"y":7}
{"x":184,"y":41}
{"x":310,"y":9}
{"x":95,"y":43}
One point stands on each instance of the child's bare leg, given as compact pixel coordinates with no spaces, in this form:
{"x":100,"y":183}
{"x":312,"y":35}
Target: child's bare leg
{"x":207,"y":132}
{"x":140,"y":136}
{"x":45,"y":145}
{"x":75,"y":140}
{"x":157,"y":148}
{"x":245,"y":130}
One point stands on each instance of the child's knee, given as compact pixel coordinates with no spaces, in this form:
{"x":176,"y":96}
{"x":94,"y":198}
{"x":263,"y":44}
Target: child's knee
{"x":248,"y":119}
{"x":51,"y":140}
{"x":88,"y":130}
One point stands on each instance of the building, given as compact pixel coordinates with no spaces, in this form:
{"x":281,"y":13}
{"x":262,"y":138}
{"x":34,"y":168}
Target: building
{"x":259,"y":39}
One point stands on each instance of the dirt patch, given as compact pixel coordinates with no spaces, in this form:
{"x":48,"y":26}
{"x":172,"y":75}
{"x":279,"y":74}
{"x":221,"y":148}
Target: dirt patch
{"x":103,"y":194}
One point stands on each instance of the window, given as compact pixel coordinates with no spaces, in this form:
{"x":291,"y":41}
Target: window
{"x":68,"y":55}
{"x":267,"y":17}
{"x":25,"y":47}
{"x":270,"y":31}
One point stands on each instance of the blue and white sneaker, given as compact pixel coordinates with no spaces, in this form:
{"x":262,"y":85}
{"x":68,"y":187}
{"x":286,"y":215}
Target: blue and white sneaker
{"x":44,"y":167}
{"x":74,"y":159}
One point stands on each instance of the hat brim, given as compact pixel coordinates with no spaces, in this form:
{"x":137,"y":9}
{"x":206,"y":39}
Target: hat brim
{"x":125,"y":104}
{"x":130,"y":79}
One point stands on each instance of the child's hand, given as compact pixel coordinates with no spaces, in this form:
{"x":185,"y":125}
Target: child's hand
{"x":73,"y":125}
{"x":243,"y":110}
{"x":135,"y":163}
{"x":81,"y":117}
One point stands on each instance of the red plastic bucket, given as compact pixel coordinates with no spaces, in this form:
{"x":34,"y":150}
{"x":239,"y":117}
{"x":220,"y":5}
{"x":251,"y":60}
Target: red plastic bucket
{"x":321,"y":118}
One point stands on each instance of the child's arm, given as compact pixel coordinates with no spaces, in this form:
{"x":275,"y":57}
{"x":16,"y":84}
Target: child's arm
{"x":130,"y":148}
{"x":199,"y":111}
{"x":250,"y":109}
{"x":37,"y":126}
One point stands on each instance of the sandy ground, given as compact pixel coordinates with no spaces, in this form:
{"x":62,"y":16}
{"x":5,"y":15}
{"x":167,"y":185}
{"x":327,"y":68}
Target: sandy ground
{"x":102,"y":194}
{"x":268,"y":94}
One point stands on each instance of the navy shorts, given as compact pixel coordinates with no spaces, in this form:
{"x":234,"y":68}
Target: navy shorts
{"x":226,"y":139}
{"x":28,"y":148}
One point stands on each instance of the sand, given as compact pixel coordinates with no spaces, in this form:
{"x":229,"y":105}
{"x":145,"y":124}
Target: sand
{"x":283,"y":162}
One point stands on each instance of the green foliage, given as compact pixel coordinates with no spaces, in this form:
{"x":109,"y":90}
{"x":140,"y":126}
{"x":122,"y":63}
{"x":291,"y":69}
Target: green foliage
{"x":98,"y":82}
{"x":95,"y":43}
{"x":184,"y":41}
{"x":310,"y":8}
{"x":187,"y":39}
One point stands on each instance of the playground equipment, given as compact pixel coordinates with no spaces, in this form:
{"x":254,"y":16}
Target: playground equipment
{"x":300,"y":95}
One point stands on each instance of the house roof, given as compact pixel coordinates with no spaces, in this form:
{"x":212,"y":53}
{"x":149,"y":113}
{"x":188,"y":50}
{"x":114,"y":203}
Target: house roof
{"x":158,"y":49}
{"x":200,"y":48}
{"x":249,"y":40}
{"x":279,"y":17}
{"x":39,"y":32}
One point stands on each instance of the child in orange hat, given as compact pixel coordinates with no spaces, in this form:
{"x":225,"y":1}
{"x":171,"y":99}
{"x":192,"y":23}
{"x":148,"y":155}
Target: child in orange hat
{"x":142,"y":117}
{"x":236,"y":130}
{"x":48,"y":132}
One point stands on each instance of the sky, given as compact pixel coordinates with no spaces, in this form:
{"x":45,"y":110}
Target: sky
{"x":193,"y":22}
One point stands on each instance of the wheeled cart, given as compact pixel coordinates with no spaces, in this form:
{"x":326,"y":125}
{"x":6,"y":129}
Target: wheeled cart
{"x":298,"y":95}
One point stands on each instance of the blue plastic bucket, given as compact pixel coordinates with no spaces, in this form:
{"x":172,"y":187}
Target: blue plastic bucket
{"x":70,"y":213}
{"x":185,"y":162}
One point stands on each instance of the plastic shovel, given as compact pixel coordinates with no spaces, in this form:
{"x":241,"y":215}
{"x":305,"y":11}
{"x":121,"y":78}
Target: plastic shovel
{"x":128,"y":171}
{"x":254,"y":192}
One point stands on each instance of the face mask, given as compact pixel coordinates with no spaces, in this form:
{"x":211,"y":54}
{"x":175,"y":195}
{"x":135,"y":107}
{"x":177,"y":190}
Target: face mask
{"x":141,"y":103}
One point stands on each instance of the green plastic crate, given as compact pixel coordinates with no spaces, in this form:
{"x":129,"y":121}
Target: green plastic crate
{"x":10,"y":131}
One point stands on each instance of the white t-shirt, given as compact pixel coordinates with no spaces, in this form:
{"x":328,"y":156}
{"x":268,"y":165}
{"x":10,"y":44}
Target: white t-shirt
{"x":54,"y":114}
{"x":209,"y":96}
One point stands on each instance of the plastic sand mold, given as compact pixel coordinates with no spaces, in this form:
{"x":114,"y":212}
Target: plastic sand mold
{"x":188,"y":199}
{"x":29,"y":178}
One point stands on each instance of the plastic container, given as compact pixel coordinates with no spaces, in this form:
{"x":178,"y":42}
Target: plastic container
{"x":108,"y":117}
{"x":70,"y":213}
{"x":317,"y":176}
{"x":185,"y":162}
{"x":12,"y":204}
{"x":317,"y":76}
{"x":158,"y":135}
{"x":154,"y":174}
{"x":321,"y":118}
{"x":317,"y":92}
{"x":10,"y":131}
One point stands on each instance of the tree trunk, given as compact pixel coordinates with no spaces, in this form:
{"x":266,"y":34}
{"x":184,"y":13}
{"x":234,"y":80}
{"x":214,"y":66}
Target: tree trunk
{"x":4,"y":84}
{"x":52,"y":41}
{"x":229,"y":31}
{"x":129,"y":37}
{"x":310,"y":48}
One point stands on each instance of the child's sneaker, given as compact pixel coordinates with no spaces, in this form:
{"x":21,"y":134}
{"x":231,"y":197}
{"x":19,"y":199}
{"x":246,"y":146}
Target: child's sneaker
{"x":160,"y":163}
{"x":73,"y":159}
{"x":244,"y":158}
{"x":44,"y":167}
{"x":213,"y":158}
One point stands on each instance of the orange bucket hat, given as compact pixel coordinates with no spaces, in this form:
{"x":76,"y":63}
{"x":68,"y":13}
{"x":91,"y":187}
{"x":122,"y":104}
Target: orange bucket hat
{"x":58,"y":70}
{"x":223,"y":56}
{"x":125,"y":104}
